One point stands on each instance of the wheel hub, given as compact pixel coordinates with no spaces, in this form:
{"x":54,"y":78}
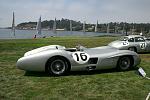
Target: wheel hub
{"x":125,"y":63}
{"x":58,"y":66}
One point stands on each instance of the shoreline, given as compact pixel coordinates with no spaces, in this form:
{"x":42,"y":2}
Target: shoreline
{"x":47,"y":37}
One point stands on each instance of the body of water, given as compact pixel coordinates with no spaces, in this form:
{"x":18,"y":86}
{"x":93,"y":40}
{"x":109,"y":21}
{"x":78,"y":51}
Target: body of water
{"x":29,"y":34}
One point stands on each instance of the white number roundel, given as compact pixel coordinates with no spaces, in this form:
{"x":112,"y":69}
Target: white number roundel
{"x":125,"y":43}
{"x":80,"y":57}
{"x":143,"y":45}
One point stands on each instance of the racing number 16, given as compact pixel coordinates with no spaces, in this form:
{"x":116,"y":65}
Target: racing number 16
{"x":81,"y":55}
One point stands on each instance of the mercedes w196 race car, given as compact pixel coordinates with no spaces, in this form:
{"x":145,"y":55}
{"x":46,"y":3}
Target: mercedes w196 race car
{"x":58,"y":60}
{"x":135,"y":43}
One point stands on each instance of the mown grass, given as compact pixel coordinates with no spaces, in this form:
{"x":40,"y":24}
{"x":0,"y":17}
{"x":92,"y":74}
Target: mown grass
{"x":101,"y":85}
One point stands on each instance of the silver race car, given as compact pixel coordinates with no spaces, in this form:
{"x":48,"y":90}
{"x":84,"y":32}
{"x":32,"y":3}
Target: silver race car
{"x":58,"y":60}
{"x":135,"y":43}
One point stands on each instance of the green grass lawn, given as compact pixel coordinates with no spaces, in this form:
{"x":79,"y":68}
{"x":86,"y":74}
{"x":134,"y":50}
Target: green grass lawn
{"x":101,"y":85}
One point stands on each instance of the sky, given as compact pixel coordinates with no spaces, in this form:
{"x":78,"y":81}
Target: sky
{"x":132,"y":11}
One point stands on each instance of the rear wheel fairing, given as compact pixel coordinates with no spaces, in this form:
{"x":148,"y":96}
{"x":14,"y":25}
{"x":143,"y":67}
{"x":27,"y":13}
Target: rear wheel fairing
{"x":32,"y":63}
{"x":36,"y":62}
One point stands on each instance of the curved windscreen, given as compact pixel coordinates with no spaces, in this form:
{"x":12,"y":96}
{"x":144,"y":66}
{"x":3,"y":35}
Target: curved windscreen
{"x":123,"y":39}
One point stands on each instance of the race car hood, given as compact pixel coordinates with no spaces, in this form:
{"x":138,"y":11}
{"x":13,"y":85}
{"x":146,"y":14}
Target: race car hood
{"x":116,"y":44}
{"x":107,"y":51}
{"x":101,"y":50}
{"x":45,"y":48}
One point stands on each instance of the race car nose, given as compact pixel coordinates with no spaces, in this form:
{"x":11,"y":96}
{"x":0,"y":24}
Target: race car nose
{"x":20,"y":64}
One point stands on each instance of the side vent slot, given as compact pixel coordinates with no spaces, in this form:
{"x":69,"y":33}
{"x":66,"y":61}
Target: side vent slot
{"x":93,"y":61}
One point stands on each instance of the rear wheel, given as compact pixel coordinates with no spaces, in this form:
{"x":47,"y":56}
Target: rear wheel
{"x":124,"y":63}
{"x":57,"y":66}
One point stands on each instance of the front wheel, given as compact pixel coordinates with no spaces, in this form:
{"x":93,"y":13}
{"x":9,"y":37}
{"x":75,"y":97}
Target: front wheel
{"x":124,"y":63}
{"x":57,"y":66}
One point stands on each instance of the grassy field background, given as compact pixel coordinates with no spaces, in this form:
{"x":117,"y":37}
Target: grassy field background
{"x":101,"y":85}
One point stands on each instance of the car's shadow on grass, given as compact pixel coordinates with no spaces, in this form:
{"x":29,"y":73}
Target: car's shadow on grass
{"x":75,"y":73}
{"x":36,"y":74}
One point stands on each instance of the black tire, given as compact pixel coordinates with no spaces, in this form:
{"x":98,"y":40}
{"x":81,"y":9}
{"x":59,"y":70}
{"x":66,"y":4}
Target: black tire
{"x":124,"y":63}
{"x":57,"y":66}
{"x":132,"y":49}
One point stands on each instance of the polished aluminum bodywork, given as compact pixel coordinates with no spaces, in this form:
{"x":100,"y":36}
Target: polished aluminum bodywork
{"x":140,"y":43}
{"x":107,"y":57}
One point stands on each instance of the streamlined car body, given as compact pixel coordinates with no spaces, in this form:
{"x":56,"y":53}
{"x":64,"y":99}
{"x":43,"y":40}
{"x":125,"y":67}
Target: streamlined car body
{"x":58,"y":60}
{"x":135,"y":43}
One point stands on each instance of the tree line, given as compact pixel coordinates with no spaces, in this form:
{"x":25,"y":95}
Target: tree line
{"x":114,"y":27}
